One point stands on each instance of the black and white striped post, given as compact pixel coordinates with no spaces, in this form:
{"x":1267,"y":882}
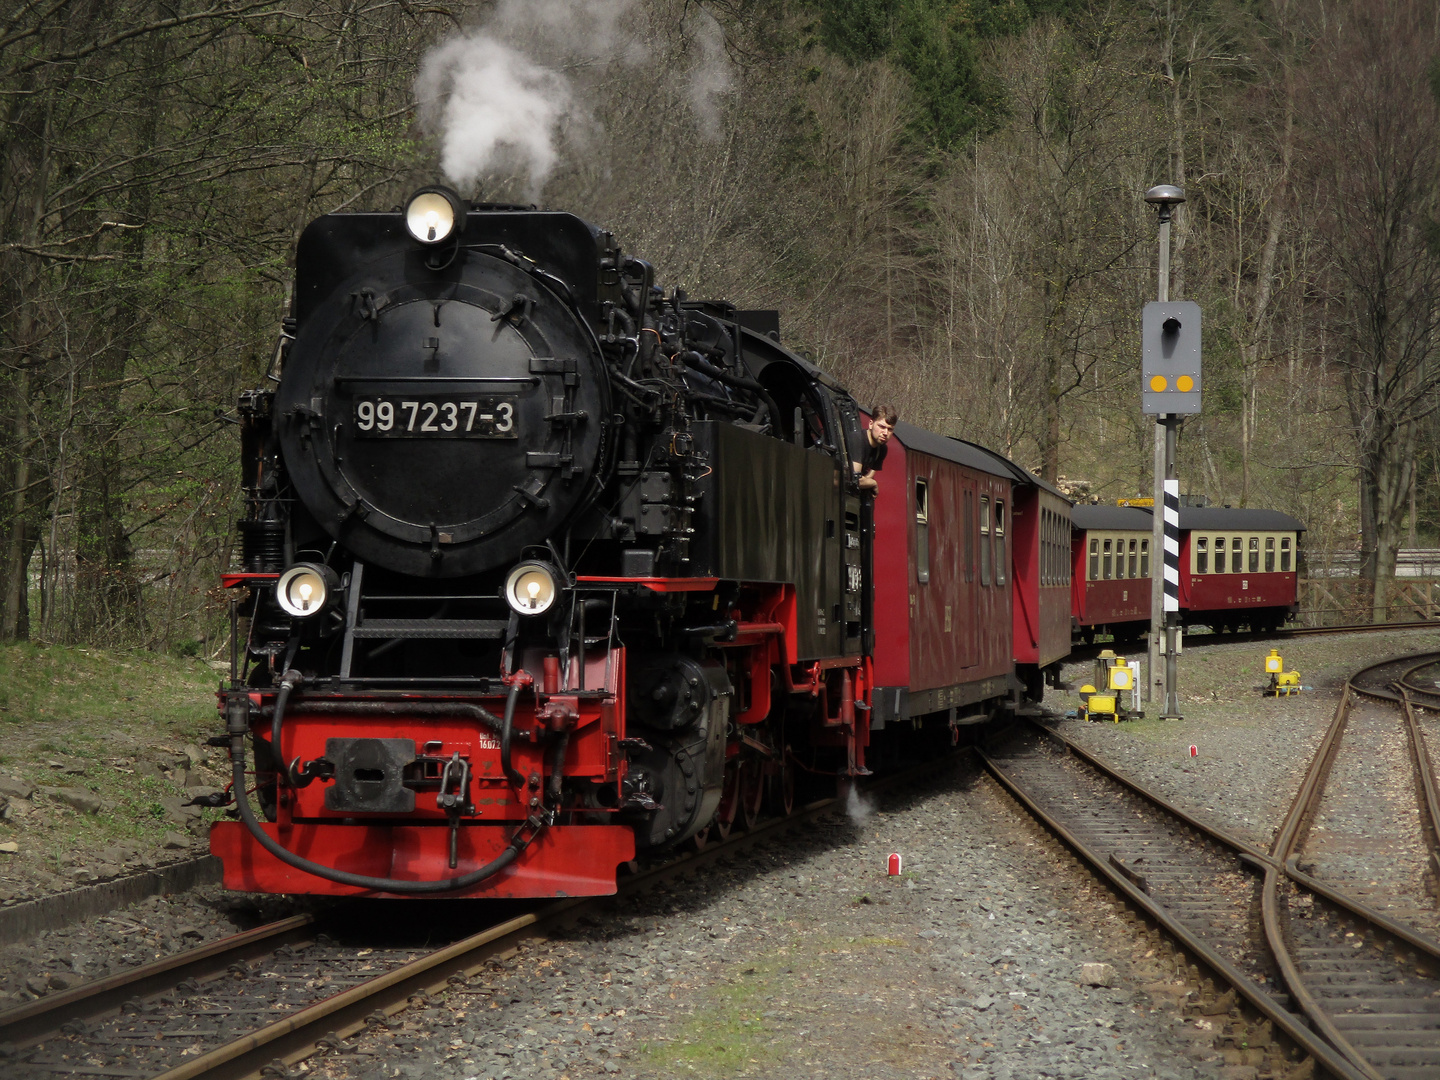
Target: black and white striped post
{"x":1170,"y":374}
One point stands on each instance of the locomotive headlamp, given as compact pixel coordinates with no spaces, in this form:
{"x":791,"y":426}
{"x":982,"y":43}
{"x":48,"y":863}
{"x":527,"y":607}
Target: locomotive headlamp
{"x":434,"y":214}
{"x":305,"y":589}
{"x":531,"y":588}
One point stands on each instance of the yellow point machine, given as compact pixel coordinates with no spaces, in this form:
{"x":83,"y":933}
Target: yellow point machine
{"x":1118,"y":677}
{"x":1282,"y":683}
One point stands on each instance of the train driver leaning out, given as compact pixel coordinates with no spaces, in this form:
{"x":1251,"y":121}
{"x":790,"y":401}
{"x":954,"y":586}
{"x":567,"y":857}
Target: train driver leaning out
{"x":872,"y":457}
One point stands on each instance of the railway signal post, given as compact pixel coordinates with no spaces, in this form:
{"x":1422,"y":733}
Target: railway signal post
{"x":1170,"y":390}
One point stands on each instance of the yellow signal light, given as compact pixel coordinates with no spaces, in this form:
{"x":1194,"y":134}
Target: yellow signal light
{"x":1120,"y":677}
{"x":1184,"y":384}
{"x":1274,"y":663}
{"x":1159,"y":384}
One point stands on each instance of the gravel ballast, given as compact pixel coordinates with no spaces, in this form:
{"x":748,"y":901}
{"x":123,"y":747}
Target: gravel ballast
{"x":1251,"y":751}
{"x":982,"y":960}
{"x":808,"y":960}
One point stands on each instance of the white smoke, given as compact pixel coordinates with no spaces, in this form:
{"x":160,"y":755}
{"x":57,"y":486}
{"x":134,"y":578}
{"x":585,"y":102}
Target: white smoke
{"x":495,"y":108}
{"x":503,"y":97}
{"x":710,"y":78}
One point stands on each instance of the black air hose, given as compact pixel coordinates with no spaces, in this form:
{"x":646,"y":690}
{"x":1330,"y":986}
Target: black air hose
{"x":288,"y":682}
{"x":506,"y":731}
{"x":699,"y":363}
{"x":734,"y":408}
{"x":557,"y":763}
{"x":362,"y":881}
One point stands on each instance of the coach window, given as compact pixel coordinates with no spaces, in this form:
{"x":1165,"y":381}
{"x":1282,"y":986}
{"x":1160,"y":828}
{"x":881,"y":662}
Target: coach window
{"x":984,"y":539}
{"x":999,"y":542}
{"x":1108,"y":563}
{"x":1202,"y":555}
{"x":1045,"y":531}
{"x":1237,"y":556}
{"x":1269,"y":554}
{"x":1134,"y":559}
{"x":1254,"y":554}
{"x":969,"y":536}
{"x":922,"y":531}
{"x":1285,"y":554}
{"x":1219,"y":554}
{"x":1144,"y":558}
{"x":1094,"y":559}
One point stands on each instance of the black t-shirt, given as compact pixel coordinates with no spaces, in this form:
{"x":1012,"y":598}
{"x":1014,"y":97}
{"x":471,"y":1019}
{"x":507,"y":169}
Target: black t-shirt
{"x":873,"y":459}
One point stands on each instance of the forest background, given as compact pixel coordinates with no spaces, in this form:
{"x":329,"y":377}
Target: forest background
{"x":942,"y":197}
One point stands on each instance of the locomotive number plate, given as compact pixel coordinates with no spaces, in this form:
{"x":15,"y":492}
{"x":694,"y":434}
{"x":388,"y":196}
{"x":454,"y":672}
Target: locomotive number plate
{"x":461,"y":417}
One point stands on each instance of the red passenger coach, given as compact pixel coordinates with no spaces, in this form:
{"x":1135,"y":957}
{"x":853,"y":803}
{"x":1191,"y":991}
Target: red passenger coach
{"x":1111,"y":571}
{"x":1040,"y":544}
{"x":943,"y":615}
{"x":1238,"y":567}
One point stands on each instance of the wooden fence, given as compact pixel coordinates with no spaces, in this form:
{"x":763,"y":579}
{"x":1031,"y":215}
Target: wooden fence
{"x":1341,"y":601}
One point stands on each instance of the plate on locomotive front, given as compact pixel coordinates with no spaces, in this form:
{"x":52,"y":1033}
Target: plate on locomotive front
{"x":449,"y":416}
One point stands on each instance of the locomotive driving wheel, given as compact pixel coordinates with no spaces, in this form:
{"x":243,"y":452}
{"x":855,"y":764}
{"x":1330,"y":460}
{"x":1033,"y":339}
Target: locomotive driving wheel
{"x":751,"y":792}
{"x":781,"y":784}
{"x":729,"y":810}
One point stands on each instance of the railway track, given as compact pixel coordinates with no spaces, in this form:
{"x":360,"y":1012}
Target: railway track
{"x":1317,"y":979}
{"x":1079,"y":652}
{"x":260,"y":1002}
{"x":1376,"y":792}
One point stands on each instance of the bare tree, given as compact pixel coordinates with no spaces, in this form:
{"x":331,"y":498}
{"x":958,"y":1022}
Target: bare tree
{"x":1071,"y":158}
{"x":1373,"y":172}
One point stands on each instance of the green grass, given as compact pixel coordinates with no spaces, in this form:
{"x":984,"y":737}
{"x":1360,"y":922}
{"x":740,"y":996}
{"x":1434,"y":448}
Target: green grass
{"x":730,"y":1033}
{"x":106,"y":712}
{"x":725,"y":1037}
{"x":40,"y":684}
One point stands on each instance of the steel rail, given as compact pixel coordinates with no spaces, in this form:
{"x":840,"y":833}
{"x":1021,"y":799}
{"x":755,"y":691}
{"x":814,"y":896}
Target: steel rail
{"x":1302,"y":808}
{"x":1297,"y":821}
{"x":34,"y":1022}
{"x":298,"y":1036}
{"x":1258,"y":857}
{"x":1402,"y":693}
{"x":1273,"y":864}
{"x":1425,"y":771}
{"x":1219,"y":965}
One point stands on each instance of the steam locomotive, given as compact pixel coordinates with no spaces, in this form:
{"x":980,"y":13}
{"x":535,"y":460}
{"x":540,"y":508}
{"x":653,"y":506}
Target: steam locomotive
{"x":542,"y":567}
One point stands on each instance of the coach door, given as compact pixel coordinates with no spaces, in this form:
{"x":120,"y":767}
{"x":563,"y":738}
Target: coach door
{"x":966,"y":579}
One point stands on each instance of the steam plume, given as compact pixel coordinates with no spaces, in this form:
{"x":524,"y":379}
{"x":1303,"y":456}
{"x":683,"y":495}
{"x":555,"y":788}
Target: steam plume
{"x":504,"y":96}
